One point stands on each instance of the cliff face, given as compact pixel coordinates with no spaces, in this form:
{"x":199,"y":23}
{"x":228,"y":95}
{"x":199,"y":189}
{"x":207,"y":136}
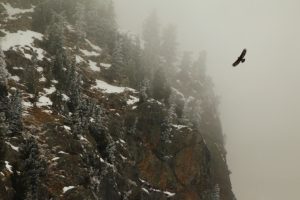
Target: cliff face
{"x":99,"y":140}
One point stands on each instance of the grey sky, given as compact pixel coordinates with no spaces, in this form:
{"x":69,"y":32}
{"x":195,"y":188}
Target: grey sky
{"x":260,"y":99}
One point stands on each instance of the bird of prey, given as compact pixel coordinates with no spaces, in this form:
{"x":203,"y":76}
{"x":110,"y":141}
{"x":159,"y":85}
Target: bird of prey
{"x":240,"y":59}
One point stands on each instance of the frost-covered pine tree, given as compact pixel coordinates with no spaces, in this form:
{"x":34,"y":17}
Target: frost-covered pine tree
{"x":57,"y":101}
{"x":144,"y":90}
{"x":32,"y":169}
{"x":32,"y":77}
{"x":76,"y":124}
{"x":55,"y":33}
{"x":3,"y":75}
{"x":216,"y":193}
{"x":15,"y":113}
{"x":151,"y":35}
{"x":166,"y":135}
{"x":80,"y":22}
{"x":193,"y":111}
{"x":75,"y":93}
{"x":160,"y":87}
{"x":169,"y":45}
{"x":117,"y":68}
{"x":3,"y":132}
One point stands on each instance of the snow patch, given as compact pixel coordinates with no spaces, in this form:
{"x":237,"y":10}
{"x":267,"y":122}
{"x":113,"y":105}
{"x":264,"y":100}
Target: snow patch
{"x":93,"y":66}
{"x":78,"y":59}
{"x":8,"y":166}
{"x":12,"y":146}
{"x":44,"y":101}
{"x":178,"y":126}
{"x":65,"y":189}
{"x":132,"y":100}
{"x":56,"y":158}
{"x":26,"y":104}
{"x":18,"y":68}
{"x":67,"y":127}
{"x":62,"y":152}
{"x":95,"y":47}
{"x":105,"y":65}
{"x":43,"y":79}
{"x":12,"y":12}
{"x":40,"y":69}
{"x":89,"y":53}
{"x":51,"y":90}
{"x":15,"y":78}
{"x":169,"y":194}
{"x":65,"y":97}
{"x":23,"y":39}
{"x":107,"y":88}
{"x":83,"y":139}
{"x":145,"y":190}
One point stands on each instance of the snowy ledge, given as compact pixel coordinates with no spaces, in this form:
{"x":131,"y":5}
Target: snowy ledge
{"x":107,"y":88}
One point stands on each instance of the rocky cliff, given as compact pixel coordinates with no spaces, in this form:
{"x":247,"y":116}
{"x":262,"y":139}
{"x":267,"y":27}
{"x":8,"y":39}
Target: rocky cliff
{"x":74,"y":125}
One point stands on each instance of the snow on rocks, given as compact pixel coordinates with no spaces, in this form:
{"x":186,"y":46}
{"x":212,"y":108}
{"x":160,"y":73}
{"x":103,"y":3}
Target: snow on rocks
{"x":145,"y":190}
{"x":67,"y":188}
{"x":15,"y":78}
{"x":13,"y":12}
{"x":51,"y":90}
{"x":26,"y":104}
{"x":95,"y":47}
{"x":93,"y":66}
{"x":89,"y":53}
{"x":62,"y":152}
{"x":132,"y":100}
{"x":43,"y":79}
{"x":105,"y":65}
{"x":55,"y":159}
{"x":40,"y":69}
{"x":12,"y":146}
{"x":44,"y":101}
{"x":107,"y":88}
{"x":18,"y":68}
{"x":8,"y":166}
{"x":65,"y":97}
{"x":78,"y":59}
{"x":68,"y":128}
{"x":23,"y":39}
{"x":177,"y":126}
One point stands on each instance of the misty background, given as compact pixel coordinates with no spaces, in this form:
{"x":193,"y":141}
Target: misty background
{"x":259,"y":107}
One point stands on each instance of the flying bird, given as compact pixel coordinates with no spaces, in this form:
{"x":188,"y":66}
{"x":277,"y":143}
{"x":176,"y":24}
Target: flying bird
{"x":240,"y":59}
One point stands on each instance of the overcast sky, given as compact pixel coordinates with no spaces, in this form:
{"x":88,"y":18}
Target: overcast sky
{"x":260,"y":108}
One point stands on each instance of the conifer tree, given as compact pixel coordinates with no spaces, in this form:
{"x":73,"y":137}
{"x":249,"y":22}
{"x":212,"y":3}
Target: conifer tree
{"x":169,"y":46}
{"x":32,"y":169}
{"x":80,"y":21}
{"x":151,"y":36}
{"x":216,"y":193}
{"x":3,"y":133}
{"x":3,"y":75}
{"x":166,"y":134}
{"x":15,"y":114}
{"x":117,"y":68}
{"x":144,"y":90}
{"x":55,"y":33}
{"x":160,"y":88}
{"x":32,"y":77}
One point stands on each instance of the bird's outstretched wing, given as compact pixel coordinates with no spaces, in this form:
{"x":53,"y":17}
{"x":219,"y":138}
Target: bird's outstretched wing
{"x":243,"y":53}
{"x":236,"y":62}
{"x":241,"y":58}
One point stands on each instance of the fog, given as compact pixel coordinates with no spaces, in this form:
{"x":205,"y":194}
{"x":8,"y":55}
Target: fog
{"x":260,"y":99}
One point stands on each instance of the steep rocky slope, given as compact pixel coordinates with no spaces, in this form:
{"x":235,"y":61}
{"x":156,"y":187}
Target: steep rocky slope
{"x":124,"y":146}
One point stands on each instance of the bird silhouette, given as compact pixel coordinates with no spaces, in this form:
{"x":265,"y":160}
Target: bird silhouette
{"x":240,"y":59}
